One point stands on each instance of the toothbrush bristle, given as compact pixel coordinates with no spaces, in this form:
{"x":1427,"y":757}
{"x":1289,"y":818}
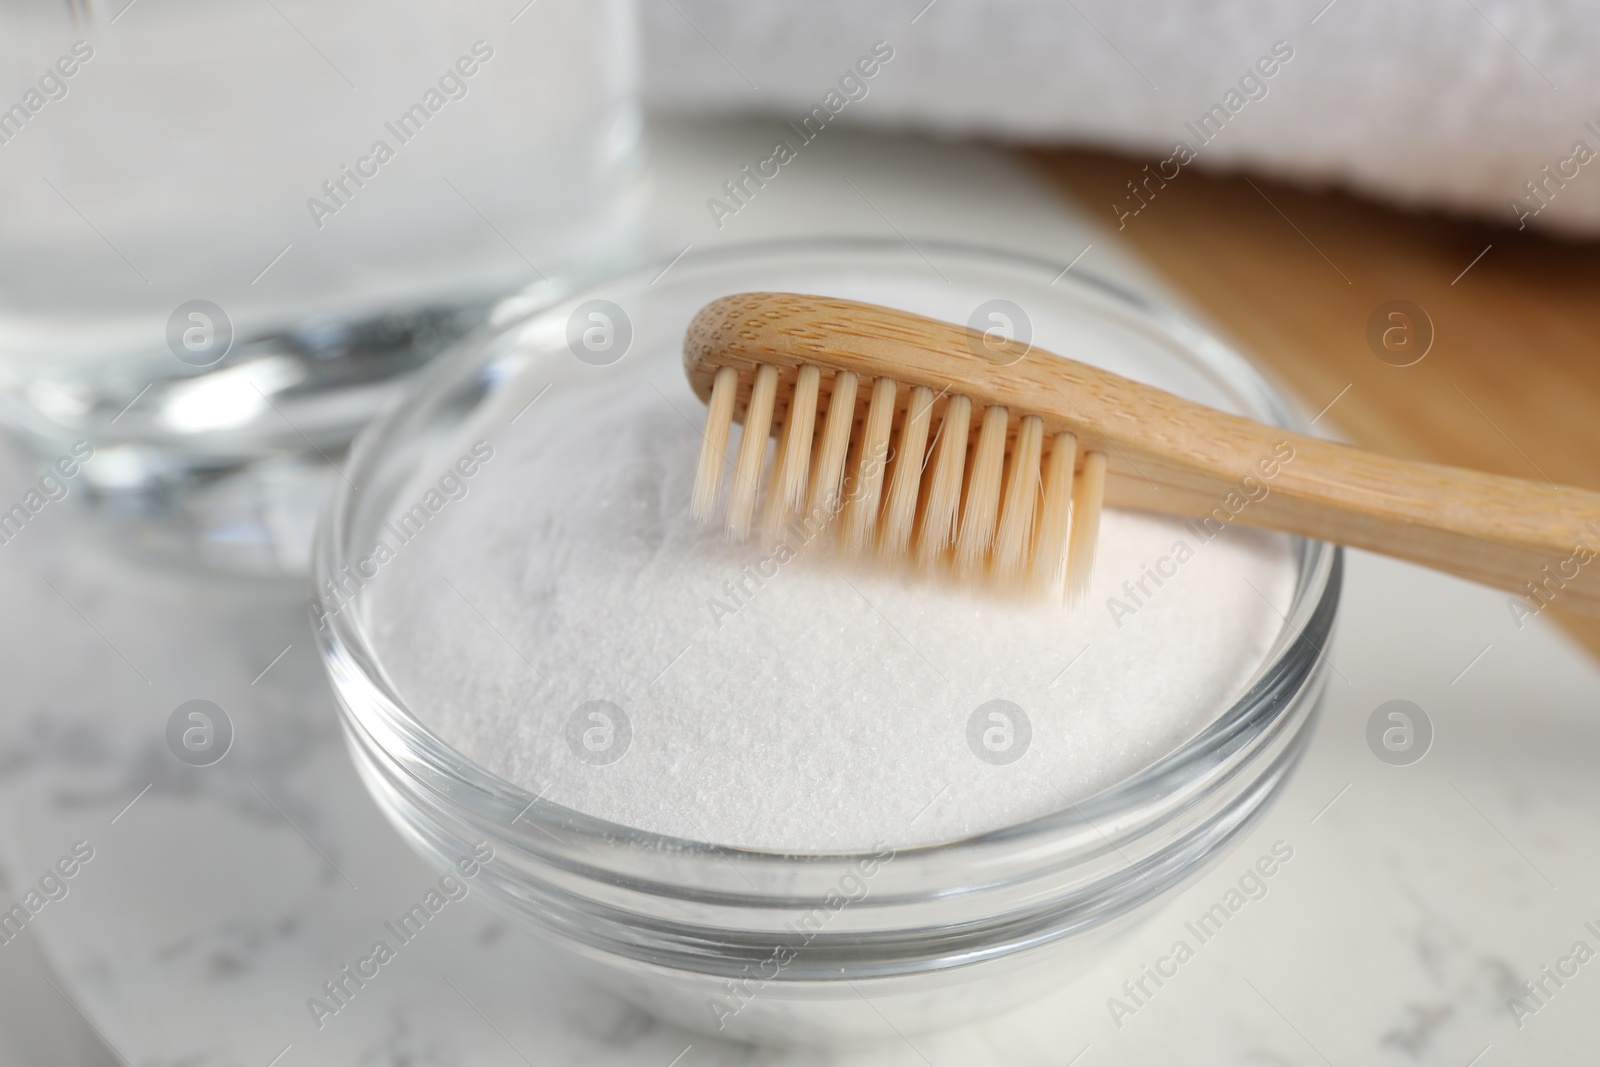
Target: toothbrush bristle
{"x":980,"y":510}
{"x":865,"y":481}
{"x":937,"y":526}
{"x":714,"y":446}
{"x":828,"y":473}
{"x":1021,"y":498}
{"x":911,"y":457}
{"x":914,"y":475}
{"x":1055,"y":516}
{"x":1087,"y":496}
{"x":788,"y":487}
{"x":752,"y":453}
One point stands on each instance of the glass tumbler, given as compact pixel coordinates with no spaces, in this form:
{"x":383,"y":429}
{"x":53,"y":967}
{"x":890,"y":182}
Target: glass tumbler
{"x":230,"y":230}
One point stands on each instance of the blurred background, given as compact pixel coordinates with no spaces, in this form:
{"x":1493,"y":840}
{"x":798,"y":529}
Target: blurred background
{"x":232,"y":233}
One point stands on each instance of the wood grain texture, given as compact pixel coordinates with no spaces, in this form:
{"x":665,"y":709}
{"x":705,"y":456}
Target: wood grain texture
{"x":1162,"y":452}
{"x":1511,"y":383}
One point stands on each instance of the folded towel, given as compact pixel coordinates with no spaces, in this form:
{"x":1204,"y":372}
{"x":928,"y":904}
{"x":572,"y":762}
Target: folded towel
{"x":1480,"y":106}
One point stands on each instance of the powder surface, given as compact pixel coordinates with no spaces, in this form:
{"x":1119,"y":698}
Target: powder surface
{"x":807,"y":705}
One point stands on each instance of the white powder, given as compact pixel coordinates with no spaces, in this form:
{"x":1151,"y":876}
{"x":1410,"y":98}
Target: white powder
{"x":830,"y":707}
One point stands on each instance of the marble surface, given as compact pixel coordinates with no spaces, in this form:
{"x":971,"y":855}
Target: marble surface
{"x":219,"y":898}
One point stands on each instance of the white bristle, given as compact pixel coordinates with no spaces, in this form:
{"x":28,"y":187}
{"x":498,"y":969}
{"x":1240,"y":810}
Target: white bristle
{"x":822,"y":499}
{"x":1019,"y":502}
{"x":866,"y":472}
{"x":938,"y":524}
{"x":714,"y":444}
{"x":900,"y":509}
{"x":1087,"y":497}
{"x":1050,"y":550}
{"x":752,"y":453}
{"x":787,"y":491}
{"x":1000,"y":506}
{"x":981,"y":508}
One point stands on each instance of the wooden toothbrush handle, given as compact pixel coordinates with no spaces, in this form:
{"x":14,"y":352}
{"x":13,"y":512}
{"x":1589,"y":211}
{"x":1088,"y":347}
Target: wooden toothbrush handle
{"x":1535,"y":540}
{"x":1168,"y":454}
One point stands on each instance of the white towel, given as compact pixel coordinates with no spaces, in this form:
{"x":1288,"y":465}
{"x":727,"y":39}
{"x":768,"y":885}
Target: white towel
{"x":1481,"y":106}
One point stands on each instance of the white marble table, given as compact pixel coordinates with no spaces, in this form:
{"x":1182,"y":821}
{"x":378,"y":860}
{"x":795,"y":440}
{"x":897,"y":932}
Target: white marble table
{"x":219,"y":898}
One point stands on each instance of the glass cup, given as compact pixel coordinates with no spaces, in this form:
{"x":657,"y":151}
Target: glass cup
{"x":231,"y":230}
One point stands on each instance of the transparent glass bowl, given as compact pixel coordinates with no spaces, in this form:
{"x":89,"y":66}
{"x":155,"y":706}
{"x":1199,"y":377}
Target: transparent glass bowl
{"x":838,"y":947}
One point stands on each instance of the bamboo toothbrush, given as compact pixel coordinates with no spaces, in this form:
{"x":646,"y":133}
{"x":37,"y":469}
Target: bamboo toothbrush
{"x":930,"y":441}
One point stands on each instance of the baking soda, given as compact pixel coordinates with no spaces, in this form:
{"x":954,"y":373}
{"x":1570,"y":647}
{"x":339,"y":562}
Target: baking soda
{"x":569,"y":627}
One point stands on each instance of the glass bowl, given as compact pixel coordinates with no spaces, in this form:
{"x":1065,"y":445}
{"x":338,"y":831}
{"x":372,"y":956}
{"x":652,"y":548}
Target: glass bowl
{"x":812,"y":948}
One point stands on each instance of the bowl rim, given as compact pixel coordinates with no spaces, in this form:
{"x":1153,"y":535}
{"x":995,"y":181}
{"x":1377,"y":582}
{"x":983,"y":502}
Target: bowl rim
{"x":345,"y":645}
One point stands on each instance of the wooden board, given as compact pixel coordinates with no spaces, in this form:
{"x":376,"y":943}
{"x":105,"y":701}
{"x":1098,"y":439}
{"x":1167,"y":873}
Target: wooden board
{"x":1511,"y":381}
